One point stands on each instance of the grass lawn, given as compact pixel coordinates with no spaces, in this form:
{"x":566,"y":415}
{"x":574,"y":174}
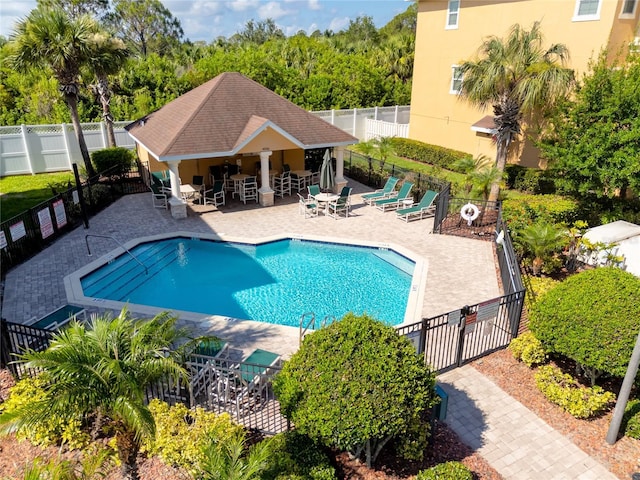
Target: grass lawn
{"x":22,"y":192}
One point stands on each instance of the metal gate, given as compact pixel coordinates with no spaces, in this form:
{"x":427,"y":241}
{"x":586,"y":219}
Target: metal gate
{"x":458,"y":337}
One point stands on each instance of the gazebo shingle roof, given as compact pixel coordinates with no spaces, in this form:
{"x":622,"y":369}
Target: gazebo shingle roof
{"x":220,"y":116}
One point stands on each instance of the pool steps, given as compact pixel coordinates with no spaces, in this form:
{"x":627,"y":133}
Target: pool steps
{"x":121,"y":276}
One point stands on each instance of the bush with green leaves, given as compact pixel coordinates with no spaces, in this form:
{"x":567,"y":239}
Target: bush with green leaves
{"x":180,"y":432}
{"x":114,"y":161}
{"x":631,"y":419}
{"x":446,"y":471}
{"x":294,"y":456}
{"x":426,"y":153}
{"x":539,"y":286}
{"x":524,"y":210}
{"x":591,"y":318}
{"x":53,"y":430}
{"x":566,"y":392}
{"x":355,"y":385}
{"x":527,"y":349}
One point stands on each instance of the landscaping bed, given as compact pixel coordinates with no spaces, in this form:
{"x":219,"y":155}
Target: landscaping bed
{"x":516,"y":379}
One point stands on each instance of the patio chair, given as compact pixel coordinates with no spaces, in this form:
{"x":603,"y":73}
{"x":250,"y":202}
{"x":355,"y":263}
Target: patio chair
{"x":198,"y":183}
{"x":232,"y":169}
{"x":387,"y":191}
{"x":215,"y":173}
{"x":58,"y":318}
{"x":298,"y":183}
{"x":282,"y":184}
{"x":249,"y":190}
{"x":307,"y":206}
{"x":313,"y":190}
{"x":395,"y":202}
{"x":215,"y":196}
{"x":203,"y":363}
{"x":341,"y":205}
{"x":425,"y":208}
{"x":159,"y":198}
{"x":253,"y":378}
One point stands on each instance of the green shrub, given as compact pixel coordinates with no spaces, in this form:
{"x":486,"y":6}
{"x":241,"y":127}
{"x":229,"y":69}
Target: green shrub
{"x":591,"y":318}
{"x":412,"y":444}
{"x":527,"y":349}
{"x":294,"y":456}
{"x":631,"y":419}
{"x":563,"y":390}
{"x":52,"y":430}
{"x":446,"y":471}
{"x":180,"y":433}
{"x":540,"y":286}
{"x":117,"y":161}
{"x":525,"y":210}
{"x":425,"y":153}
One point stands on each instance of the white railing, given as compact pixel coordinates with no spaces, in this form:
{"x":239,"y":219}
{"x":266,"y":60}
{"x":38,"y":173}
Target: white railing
{"x":29,"y":149}
{"x":380,"y":128}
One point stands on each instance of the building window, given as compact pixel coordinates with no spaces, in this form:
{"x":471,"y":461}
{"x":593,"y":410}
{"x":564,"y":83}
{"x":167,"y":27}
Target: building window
{"x":456,"y":80}
{"x":453,"y":12}
{"x":629,"y":9}
{"x":587,"y":10}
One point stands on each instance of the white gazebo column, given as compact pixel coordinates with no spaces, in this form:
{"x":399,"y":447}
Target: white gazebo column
{"x":176,"y":203}
{"x":340,"y":180}
{"x":265,"y":194}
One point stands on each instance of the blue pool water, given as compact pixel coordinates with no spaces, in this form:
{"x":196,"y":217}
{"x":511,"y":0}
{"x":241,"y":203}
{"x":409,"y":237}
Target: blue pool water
{"x":275,"y":282}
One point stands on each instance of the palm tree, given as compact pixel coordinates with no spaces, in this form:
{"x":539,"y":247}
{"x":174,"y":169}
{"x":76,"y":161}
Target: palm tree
{"x":49,"y":38}
{"x":542,"y":239}
{"x":102,"y":372}
{"x":108,"y":55}
{"x":483,"y":179}
{"x":518,"y":78}
{"x":468,"y":166}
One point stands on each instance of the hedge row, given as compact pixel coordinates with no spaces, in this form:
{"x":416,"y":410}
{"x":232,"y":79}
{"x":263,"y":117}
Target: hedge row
{"x":425,"y":153}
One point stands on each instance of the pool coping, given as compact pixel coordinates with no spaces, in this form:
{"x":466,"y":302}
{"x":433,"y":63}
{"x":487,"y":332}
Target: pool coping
{"x":75,"y":294}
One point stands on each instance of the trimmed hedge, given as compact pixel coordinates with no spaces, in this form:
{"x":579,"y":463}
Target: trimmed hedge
{"x":563,"y":390}
{"x":294,"y":456}
{"x":631,"y":419}
{"x":117,"y":160}
{"x":425,"y":153}
{"x":446,"y":471}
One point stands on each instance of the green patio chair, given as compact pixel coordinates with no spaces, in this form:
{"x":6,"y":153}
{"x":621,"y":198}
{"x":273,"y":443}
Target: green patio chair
{"x":425,"y":208}
{"x":397,"y":201}
{"x":387,"y":191}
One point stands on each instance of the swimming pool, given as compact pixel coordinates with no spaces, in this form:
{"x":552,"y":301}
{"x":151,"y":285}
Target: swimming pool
{"x":275,"y":281}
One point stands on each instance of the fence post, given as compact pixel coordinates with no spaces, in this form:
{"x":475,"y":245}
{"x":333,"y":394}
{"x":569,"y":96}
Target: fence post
{"x":333,"y":117}
{"x":83,"y":206}
{"x":25,"y":142}
{"x":103,"y":132}
{"x":5,"y":354}
{"x":463,"y":320}
{"x":355,"y":120}
{"x":67,"y":145}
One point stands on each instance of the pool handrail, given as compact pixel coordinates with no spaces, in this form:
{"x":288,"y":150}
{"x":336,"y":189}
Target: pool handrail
{"x":86,"y":239}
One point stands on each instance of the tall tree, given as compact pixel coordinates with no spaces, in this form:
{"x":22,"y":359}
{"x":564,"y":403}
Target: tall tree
{"x":519,"y":78}
{"x":102,"y":372}
{"x":49,"y":38}
{"x":77,"y":8}
{"x":108,"y":55}
{"x":258,"y":32}
{"x":593,"y":147}
{"x":145,"y":26}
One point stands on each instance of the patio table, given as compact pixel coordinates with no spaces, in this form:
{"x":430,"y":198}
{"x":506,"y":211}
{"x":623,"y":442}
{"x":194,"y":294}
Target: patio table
{"x":238,"y":178}
{"x":326,"y":198}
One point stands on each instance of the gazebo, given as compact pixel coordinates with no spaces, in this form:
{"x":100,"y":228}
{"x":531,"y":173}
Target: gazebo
{"x":233,"y":120}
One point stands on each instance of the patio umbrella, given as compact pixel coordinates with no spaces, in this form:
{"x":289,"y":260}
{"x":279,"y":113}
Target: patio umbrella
{"x":327,"y":180}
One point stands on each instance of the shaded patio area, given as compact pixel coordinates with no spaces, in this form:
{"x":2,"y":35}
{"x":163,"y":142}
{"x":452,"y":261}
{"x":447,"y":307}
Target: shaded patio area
{"x":461,"y":271}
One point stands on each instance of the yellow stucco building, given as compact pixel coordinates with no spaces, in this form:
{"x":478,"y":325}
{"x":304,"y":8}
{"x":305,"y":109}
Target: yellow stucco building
{"x":451,"y":31}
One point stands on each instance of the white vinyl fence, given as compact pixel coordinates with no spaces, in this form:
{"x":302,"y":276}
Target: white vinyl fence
{"x":29,"y":149}
{"x":26,"y":149}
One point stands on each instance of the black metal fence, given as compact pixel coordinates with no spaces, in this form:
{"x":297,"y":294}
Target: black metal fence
{"x":453,"y":339}
{"x":33,"y":230}
{"x":372,"y":172}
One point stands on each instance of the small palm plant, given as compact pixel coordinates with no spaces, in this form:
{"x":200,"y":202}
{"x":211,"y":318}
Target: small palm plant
{"x":230,"y":460}
{"x":103,"y":372}
{"x":542,"y":239}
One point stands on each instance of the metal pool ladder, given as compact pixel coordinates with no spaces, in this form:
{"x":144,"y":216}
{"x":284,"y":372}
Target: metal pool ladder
{"x":86,"y":239}
{"x":311,"y":323}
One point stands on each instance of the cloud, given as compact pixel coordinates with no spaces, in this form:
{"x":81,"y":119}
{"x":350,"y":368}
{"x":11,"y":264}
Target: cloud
{"x":243,"y":5}
{"x":272,"y":10}
{"x":338,"y":23}
{"x":314,"y":5}
{"x":11,"y":13}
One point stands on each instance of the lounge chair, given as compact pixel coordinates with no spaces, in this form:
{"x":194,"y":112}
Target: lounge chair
{"x":395,"y":202}
{"x":209,"y":355}
{"x":341,"y":205}
{"x":254,"y":375}
{"x":385,"y":192}
{"x":425,"y":208}
{"x":58,"y":318}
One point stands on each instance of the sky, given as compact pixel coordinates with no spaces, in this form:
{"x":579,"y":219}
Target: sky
{"x":208,"y":19}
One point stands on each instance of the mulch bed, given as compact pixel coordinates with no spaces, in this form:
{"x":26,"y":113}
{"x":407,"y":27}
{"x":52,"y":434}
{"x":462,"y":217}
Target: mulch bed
{"x":622,"y":459}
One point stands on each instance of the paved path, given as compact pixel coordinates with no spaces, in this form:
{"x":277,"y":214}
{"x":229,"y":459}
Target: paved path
{"x":514,"y":440}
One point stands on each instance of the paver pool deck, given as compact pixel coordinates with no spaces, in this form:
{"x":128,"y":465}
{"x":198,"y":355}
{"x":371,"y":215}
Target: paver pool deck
{"x":460,"y":271}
